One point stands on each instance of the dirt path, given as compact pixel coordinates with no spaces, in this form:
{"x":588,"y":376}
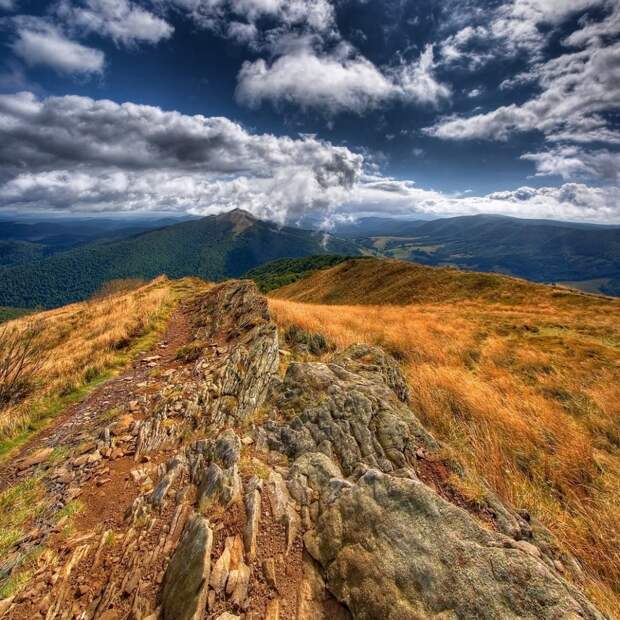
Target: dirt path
{"x":79,"y":422}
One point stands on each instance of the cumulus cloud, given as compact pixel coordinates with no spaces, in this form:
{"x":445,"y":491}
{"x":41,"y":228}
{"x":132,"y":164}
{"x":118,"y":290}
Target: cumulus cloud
{"x":578,"y":90}
{"x":39,"y":43}
{"x":8,"y":5}
{"x":76,"y":153}
{"x":341,"y":80}
{"x":82,"y":154}
{"x":122,"y":20}
{"x":571,"y":201}
{"x":572,"y":162}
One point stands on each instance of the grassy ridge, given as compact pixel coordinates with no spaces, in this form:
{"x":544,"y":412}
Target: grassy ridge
{"x":521,"y":381}
{"x":386,"y":281}
{"x":87,"y":342}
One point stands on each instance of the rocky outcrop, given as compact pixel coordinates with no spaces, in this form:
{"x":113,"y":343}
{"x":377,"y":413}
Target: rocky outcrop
{"x":389,"y":544}
{"x":392,"y":548}
{"x":316,"y":495}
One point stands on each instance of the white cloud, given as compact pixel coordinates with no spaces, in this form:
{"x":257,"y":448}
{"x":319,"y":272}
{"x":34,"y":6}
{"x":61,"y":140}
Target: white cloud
{"x":571,"y":201}
{"x":577,"y":90}
{"x":335,"y":82}
{"x":417,"y":80}
{"x":341,"y":80}
{"x":523,"y":27}
{"x":595,"y":32}
{"x":82,"y":154}
{"x":242,"y":32}
{"x":40,"y":43}
{"x":122,"y":20}
{"x":572,"y":162}
{"x":312,"y":15}
{"x":8,"y":5}
{"x":75,"y":153}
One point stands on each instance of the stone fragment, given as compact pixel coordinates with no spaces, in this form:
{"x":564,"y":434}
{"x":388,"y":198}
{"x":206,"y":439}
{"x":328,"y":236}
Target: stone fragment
{"x":220,"y":571}
{"x":269,"y":571}
{"x":122,"y":425}
{"x":36,"y":458}
{"x":186,"y":582}
{"x":240,"y":580}
{"x":5,"y":604}
{"x":252,"y":502}
{"x":272,"y":612}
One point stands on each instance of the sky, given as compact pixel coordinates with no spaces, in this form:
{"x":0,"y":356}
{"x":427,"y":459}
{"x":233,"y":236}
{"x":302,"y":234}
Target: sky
{"x":333,"y":109}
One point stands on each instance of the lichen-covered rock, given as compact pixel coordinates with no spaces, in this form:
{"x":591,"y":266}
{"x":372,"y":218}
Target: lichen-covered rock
{"x":390,"y":545}
{"x":350,"y":417}
{"x":186,"y":583}
{"x":392,"y":548}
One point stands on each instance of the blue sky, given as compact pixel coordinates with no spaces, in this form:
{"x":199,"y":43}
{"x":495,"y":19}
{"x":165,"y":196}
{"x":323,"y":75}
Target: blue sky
{"x":336,"y":108}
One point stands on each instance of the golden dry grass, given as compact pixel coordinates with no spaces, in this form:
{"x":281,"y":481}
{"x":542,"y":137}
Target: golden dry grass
{"x":527,"y":395}
{"x":84,"y":341}
{"x":383,"y":281}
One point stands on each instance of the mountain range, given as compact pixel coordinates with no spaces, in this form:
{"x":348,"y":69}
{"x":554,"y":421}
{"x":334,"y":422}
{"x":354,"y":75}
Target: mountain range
{"x":211,"y":248}
{"x":49,"y":264}
{"x":586,"y":256}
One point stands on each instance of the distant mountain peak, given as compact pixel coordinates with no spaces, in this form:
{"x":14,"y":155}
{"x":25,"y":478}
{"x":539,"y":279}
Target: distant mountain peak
{"x":239,"y":218}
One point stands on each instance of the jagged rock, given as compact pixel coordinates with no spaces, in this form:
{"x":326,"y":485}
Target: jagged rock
{"x":5,"y":604}
{"x":282,"y":507}
{"x":175,"y":469}
{"x":36,"y":458}
{"x":350,"y":417}
{"x":314,"y":601}
{"x":252,"y":502}
{"x":374,"y":363}
{"x":392,"y":548}
{"x":237,"y":311}
{"x":269,"y":571}
{"x":220,"y":487}
{"x":122,"y":425}
{"x":272,"y":612}
{"x":220,"y":571}
{"x":186,"y":582}
{"x":237,"y":584}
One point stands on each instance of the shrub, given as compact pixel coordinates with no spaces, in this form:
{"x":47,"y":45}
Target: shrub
{"x":21,"y":357}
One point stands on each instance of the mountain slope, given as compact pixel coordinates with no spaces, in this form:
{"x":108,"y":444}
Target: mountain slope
{"x":25,"y":241}
{"x":539,"y":250}
{"x":386,"y":281}
{"x":278,"y":273}
{"x":211,"y":248}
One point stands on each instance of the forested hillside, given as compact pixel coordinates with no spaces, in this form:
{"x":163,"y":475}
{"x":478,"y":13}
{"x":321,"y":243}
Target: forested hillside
{"x":211,"y":248}
{"x":283,"y":271}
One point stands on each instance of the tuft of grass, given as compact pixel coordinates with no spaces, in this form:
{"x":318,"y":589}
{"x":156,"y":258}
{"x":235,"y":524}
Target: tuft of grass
{"x":19,"y":504}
